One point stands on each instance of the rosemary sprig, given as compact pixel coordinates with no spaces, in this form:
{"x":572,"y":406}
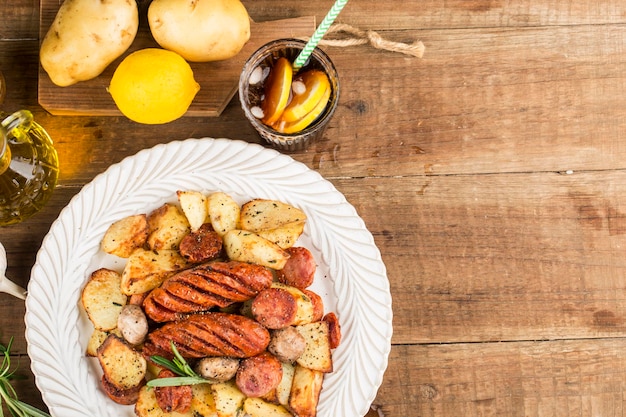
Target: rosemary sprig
{"x":178,"y":365}
{"x":8,"y":395}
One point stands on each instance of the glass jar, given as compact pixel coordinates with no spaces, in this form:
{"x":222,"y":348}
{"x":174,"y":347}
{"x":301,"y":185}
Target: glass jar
{"x":29,"y":167}
{"x":250,"y":96}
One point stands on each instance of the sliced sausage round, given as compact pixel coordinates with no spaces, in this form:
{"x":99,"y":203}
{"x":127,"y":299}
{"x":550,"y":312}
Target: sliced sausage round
{"x":176,"y":398}
{"x":201,"y":245}
{"x":258,"y":375}
{"x":274,"y":308}
{"x":299,"y":270}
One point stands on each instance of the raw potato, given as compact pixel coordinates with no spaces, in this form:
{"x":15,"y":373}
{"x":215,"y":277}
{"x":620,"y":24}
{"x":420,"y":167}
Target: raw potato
{"x":263,"y":214}
{"x":102,"y":298}
{"x":125,"y":235}
{"x":223,"y":212}
{"x":256,"y":407}
{"x":245,"y":246}
{"x":85,"y":37}
{"x":194,"y":205}
{"x":146,"y":270}
{"x":305,"y":391}
{"x":317,"y":354}
{"x":200,"y":30}
{"x":123,"y":366}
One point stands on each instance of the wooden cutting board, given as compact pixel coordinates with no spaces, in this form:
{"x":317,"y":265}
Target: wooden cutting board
{"x":218,"y":81}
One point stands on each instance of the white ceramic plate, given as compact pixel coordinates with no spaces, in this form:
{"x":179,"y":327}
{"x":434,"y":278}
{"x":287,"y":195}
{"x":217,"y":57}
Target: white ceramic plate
{"x":351,"y":276}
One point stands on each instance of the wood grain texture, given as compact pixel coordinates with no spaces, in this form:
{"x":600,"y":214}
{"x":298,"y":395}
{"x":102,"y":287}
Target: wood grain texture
{"x":491,"y":174}
{"x":529,"y":379}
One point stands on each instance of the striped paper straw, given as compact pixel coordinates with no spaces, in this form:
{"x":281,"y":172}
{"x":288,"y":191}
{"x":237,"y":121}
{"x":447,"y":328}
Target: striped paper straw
{"x":319,"y":34}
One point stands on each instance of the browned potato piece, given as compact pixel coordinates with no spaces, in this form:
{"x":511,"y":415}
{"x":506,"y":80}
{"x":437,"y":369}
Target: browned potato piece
{"x":260,"y":214}
{"x":102,"y":298}
{"x":256,"y":407}
{"x":168,"y":225}
{"x":283,"y":390}
{"x":228,"y":399}
{"x":146,"y":270}
{"x":223,"y":212}
{"x":317,"y":354}
{"x":96,"y":339}
{"x":126,"y":235}
{"x":284,"y":236}
{"x":194,"y":206}
{"x":245,"y":246}
{"x":123,"y":366}
{"x":305,"y":391}
{"x":121,"y":396}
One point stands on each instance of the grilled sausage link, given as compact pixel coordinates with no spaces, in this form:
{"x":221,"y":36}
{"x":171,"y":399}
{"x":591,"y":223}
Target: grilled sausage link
{"x":213,"y":284}
{"x":210,"y":334}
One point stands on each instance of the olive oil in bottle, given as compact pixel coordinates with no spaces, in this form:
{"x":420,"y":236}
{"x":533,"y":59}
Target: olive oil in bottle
{"x":29,"y":167}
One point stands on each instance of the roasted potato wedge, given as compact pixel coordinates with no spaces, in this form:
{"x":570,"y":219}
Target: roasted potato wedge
{"x":256,"y":407}
{"x":284,"y":388}
{"x":317,"y":354}
{"x":168,"y":225}
{"x":194,"y":206}
{"x":284,"y":236}
{"x":96,"y":339}
{"x":121,"y":396}
{"x":223,"y":211}
{"x":228,"y":399}
{"x":261,"y":214}
{"x":125,"y":235}
{"x":103,"y":299}
{"x":123,"y":366}
{"x":202,"y":404}
{"x":146,"y":270}
{"x":246,"y":246}
{"x":305,"y":391}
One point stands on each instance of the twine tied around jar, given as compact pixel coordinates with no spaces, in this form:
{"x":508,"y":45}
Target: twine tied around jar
{"x":354,"y":36}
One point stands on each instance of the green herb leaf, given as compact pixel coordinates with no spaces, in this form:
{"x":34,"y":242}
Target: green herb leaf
{"x":178,"y":365}
{"x":8,"y":396}
{"x":176,"y":381}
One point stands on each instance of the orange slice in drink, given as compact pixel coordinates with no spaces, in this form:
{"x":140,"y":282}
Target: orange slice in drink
{"x":277,"y":89}
{"x":283,"y":126}
{"x":316,"y":83}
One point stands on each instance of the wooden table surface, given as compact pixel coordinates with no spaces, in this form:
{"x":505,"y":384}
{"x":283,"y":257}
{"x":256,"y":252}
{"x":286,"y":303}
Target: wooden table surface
{"x":491,"y":173}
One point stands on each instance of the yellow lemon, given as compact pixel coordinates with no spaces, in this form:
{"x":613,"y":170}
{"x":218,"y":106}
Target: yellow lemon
{"x":153,"y":86}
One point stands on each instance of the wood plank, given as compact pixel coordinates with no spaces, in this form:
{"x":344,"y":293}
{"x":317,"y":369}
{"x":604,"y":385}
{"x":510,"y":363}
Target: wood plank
{"x":466,"y":254}
{"x":500,"y":257}
{"x":529,"y":379}
{"x":434,"y":14}
{"x":21,"y":17}
{"x":547,"y":105}
{"x":482,"y":101}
